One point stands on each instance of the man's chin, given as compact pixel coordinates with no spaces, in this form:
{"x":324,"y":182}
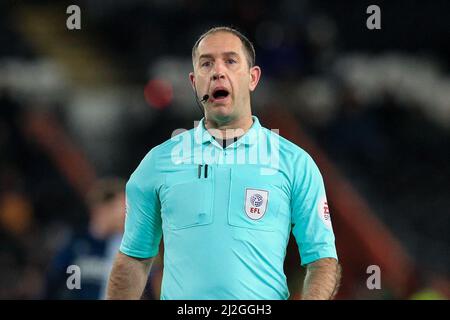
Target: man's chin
{"x":221,"y":112}
{"x":221,"y":117}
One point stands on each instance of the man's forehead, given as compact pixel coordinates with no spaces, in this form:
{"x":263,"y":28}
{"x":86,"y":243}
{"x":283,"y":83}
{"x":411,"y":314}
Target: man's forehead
{"x":219,"y":43}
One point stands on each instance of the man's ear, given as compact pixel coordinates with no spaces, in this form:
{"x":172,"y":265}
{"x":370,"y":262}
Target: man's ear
{"x":192,"y":79}
{"x":255,"y":75}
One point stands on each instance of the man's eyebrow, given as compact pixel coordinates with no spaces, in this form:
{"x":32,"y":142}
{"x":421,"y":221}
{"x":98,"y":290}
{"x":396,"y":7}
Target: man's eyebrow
{"x":206,"y":55}
{"x":231,"y":53}
{"x":209,"y":56}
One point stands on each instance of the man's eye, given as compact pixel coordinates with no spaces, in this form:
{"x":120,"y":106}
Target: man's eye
{"x":231,"y":61}
{"x":206,"y":64}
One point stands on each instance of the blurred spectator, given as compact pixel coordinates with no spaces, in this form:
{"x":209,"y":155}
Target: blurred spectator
{"x":355,"y":133}
{"x":92,"y":250}
{"x":17,"y":239}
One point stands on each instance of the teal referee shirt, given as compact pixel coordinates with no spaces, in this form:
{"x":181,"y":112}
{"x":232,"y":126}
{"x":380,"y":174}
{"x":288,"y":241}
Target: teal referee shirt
{"x":226,"y":213}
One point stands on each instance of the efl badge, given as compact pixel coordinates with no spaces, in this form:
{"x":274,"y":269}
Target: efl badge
{"x":256,"y":203}
{"x":324,"y":212}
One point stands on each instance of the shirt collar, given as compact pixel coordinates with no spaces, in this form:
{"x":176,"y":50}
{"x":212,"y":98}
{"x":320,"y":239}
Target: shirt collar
{"x":202,"y":135}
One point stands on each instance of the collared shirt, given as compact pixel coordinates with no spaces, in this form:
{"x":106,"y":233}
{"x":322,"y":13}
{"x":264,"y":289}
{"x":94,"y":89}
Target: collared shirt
{"x":226,"y":213}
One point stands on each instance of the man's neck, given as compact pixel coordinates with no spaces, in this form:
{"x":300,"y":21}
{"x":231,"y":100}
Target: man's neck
{"x":230,"y":129}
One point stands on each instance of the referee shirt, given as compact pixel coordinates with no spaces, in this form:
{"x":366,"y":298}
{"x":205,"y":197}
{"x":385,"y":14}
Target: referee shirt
{"x":226,"y":213}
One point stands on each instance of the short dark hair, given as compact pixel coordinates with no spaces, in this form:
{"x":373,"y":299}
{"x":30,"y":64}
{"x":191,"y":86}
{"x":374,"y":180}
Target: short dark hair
{"x":104,"y":190}
{"x":248,"y":46}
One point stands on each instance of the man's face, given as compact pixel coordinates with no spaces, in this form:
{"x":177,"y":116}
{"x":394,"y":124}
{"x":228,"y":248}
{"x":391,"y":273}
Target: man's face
{"x":221,"y":70}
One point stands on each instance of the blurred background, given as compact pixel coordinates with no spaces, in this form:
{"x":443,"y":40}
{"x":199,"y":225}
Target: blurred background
{"x":79,"y":109}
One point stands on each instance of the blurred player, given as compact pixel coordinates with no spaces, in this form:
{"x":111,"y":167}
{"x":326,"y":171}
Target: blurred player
{"x":93,"y":250}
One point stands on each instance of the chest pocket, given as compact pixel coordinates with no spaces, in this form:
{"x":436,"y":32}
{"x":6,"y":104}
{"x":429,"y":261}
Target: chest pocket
{"x":255,"y":198}
{"x":187,"y":199}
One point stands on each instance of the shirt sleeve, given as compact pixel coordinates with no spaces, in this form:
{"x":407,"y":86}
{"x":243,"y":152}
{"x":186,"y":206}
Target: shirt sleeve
{"x":310,"y":216}
{"x":143,"y":225}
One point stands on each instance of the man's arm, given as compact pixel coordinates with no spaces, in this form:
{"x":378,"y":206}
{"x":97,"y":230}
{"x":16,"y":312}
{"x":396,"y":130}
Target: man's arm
{"x":128,"y":277}
{"x":322,"y":279}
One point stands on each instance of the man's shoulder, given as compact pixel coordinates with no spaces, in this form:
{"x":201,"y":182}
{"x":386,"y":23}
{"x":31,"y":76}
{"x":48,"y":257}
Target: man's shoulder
{"x":157,"y":160}
{"x":287,"y":148}
{"x":165,"y":148}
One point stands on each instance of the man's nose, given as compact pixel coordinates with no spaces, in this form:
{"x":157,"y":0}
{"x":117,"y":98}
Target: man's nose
{"x":218,"y":72}
{"x":217,"y":75}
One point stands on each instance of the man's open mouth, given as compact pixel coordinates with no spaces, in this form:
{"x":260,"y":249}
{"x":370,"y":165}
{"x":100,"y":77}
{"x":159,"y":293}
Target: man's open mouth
{"x":220,"y":93}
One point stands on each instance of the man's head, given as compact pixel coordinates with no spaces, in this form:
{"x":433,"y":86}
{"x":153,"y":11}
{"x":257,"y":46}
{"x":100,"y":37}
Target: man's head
{"x":106,"y":201}
{"x":224,"y":69}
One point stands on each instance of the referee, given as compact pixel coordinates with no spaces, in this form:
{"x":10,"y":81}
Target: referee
{"x":225,"y":197}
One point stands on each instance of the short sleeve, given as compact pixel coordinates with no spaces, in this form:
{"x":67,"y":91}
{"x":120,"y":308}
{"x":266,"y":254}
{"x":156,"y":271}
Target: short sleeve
{"x":310,"y":216}
{"x":143,"y":225}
